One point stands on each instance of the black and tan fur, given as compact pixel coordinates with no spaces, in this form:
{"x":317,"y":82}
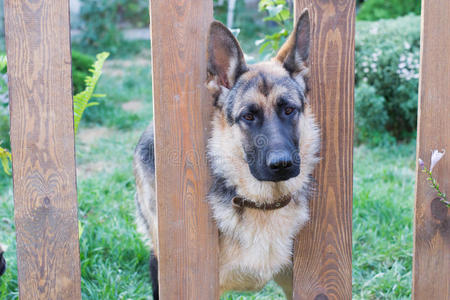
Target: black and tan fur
{"x":2,"y":262}
{"x":263,"y":147}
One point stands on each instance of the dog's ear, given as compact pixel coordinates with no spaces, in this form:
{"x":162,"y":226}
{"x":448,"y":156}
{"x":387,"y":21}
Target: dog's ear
{"x":225,"y":58}
{"x":294,"y":54}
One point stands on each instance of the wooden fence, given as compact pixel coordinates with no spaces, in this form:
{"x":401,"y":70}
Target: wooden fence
{"x":323,"y":252}
{"x":188,"y":240}
{"x":42,"y":139}
{"x":431,"y":267}
{"x":42,"y":144}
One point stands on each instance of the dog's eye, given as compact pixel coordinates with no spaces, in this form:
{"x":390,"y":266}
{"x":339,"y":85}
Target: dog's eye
{"x":249,"y":116}
{"x":289,"y":110}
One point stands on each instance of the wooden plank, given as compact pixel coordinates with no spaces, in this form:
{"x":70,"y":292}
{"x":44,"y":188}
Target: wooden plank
{"x":431,"y":276}
{"x":323,"y":251}
{"x":188,"y":239}
{"x":42,"y":142}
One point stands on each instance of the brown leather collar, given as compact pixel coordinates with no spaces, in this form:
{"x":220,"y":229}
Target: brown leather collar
{"x":241,"y":202}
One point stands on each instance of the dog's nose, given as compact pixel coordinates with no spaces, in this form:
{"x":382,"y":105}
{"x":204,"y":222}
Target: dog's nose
{"x":279,"y":160}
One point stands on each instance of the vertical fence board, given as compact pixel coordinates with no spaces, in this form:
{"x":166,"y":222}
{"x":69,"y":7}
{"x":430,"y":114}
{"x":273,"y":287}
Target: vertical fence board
{"x":42,"y":142}
{"x":431,"y":275}
{"x":323,"y":250}
{"x":188,"y":239}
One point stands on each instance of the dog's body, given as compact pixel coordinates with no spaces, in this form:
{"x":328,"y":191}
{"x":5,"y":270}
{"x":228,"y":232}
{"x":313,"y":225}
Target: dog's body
{"x":262,"y":151}
{"x":2,"y":262}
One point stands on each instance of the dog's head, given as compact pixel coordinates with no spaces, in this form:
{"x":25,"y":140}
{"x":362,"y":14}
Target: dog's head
{"x":260,"y":109}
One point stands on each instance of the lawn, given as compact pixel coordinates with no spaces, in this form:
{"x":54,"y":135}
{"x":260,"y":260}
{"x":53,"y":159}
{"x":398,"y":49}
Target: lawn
{"x":114,"y":261}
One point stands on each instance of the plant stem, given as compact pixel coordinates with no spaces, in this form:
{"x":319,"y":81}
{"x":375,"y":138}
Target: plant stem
{"x":434,"y":184}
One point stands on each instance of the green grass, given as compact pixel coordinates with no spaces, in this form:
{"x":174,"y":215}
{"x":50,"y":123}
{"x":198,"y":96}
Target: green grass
{"x":382,"y":222}
{"x":123,"y":81}
{"x":114,"y":261}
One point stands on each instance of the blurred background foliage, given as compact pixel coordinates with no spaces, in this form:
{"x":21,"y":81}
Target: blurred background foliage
{"x":386,"y":61}
{"x":372,"y":10}
{"x":387,"y":78}
{"x":101,"y":22}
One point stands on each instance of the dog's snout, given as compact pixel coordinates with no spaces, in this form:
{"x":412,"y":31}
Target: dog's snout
{"x":279,"y":160}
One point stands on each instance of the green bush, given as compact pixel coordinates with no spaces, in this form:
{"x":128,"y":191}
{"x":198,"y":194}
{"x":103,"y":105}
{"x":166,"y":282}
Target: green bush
{"x":101,"y":22}
{"x":370,"y":115}
{"x":387,"y":71}
{"x":81,"y":63}
{"x":372,"y":10}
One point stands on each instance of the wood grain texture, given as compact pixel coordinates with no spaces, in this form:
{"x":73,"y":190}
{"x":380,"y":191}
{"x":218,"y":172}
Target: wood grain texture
{"x":323,"y":250}
{"x":42,"y":142}
{"x":431,"y":266}
{"x":188,"y":239}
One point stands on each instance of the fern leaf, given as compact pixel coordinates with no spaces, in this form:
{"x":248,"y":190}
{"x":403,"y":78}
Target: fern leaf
{"x":92,"y":104}
{"x":5,"y":157}
{"x":81,"y":100}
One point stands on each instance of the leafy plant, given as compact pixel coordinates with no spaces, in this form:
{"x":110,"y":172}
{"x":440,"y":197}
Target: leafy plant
{"x":81,"y":63}
{"x":387,"y":59}
{"x":278,"y":12}
{"x":372,"y":10}
{"x":81,"y":101}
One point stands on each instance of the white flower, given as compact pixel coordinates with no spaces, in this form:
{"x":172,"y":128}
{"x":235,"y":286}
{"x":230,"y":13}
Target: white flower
{"x":366,"y":70}
{"x":407,"y":45}
{"x":421,"y":163}
{"x":435,"y":158}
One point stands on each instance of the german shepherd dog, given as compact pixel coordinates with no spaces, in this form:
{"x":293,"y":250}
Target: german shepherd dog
{"x":262,"y":152}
